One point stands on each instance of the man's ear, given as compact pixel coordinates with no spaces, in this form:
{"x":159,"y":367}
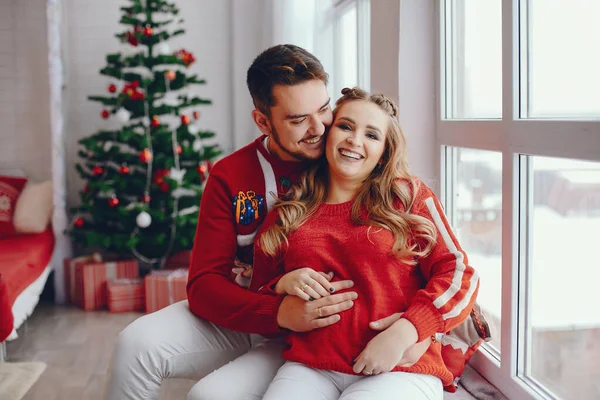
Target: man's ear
{"x":262,"y":122}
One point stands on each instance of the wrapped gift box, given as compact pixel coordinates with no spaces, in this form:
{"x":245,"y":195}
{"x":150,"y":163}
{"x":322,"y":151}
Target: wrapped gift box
{"x":124,"y":295}
{"x":179,"y":260}
{"x":87,"y":287}
{"x":164,"y":288}
{"x":70,"y":264}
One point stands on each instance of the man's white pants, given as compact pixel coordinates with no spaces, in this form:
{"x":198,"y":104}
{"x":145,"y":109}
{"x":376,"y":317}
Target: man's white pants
{"x":174,"y":343}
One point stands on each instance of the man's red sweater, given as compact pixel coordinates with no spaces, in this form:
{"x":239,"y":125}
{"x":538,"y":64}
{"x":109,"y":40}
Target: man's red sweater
{"x":240,"y":190}
{"x":436,"y":295}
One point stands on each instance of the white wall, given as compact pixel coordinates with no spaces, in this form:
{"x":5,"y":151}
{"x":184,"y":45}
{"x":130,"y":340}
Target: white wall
{"x":24,"y":88}
{"x":90,"y":30}
{"x":402,"y":66}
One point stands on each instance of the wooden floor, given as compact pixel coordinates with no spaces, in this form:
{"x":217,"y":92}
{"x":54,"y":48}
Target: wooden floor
{"x":77,"y":347}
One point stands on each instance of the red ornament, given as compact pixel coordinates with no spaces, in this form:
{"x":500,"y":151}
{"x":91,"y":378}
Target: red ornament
{"x":86,"y":189}
{"x":146,"y":198}
{"x":159,"y":175}
{"x":113,"y":201}
{"x":148,"y":31}
{"x":112,"y":88}
{"x":155,"y":122}
{"x":196,"y":115}
{"x":79,"y":222}
{"x":202,"y":169}
{"x":105,"y":114}
{"x":131,"y":37}
{"x":124,"y":169}
{"x":185,"y":119}
{"x":146,"y":156}
{"x":132,"y":91}
{"x":171,"y":75}
{"x":164,"y":187}
{"x":97,"y":170}
{"x":179,"y":149}
{"x":185,"y":56}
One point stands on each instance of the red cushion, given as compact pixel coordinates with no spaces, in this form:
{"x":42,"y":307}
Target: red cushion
{"x":10,"y":189}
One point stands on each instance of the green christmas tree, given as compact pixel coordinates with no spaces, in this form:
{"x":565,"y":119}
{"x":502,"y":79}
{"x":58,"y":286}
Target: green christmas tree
{"x":145,"y":179}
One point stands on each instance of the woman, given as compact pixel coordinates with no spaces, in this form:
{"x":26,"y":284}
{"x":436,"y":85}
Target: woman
{"x":360,"y":214}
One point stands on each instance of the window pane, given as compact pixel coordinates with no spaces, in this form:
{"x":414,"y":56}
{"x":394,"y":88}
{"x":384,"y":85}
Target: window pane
{"x":564,"y":61}
{"x":473,"y":59}
{"x":347,"y":49}
{"x":478,"y":220}
{"x":564,"y":320}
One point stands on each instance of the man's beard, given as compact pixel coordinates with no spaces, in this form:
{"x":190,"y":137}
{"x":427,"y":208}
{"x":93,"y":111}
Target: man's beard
{"x":298,"y":155}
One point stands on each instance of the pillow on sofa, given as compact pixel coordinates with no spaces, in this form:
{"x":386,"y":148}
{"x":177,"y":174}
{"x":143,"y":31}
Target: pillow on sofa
{"x":10,"y":189}
{"x":34,"y":208}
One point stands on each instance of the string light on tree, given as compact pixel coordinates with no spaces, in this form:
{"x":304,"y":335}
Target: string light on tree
{"x":79,"y":222}
{"x":155,"y":122}
{"x":124,"y":170}
{"x":148,"y":30}
{"x":97,"y":170}
{"x":185,"y":119}
{"x":112,"y":88}
{"x":105,"y":114}
{"x":196,"y":114}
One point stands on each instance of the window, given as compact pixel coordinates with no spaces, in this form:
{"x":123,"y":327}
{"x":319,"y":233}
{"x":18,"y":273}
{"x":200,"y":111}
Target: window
{"x":351,"y":44}
{"x":519,"y":128}
{"x":563,"y":329}
{"x":474,"y":204}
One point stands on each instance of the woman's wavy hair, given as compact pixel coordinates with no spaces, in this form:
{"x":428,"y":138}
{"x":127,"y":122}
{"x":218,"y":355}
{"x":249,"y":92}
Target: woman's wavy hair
{"x":376,"y":202}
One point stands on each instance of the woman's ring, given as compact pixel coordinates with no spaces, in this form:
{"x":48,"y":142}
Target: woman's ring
{"x":319,"y":312}
{"x":367,"y":372}
{"x":303,"y":288}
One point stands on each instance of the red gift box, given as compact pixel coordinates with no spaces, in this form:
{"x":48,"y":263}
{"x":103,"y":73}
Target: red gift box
{"x":70,"y":264}
{"x":164,"y":288}
{"x":88,"y":280}
{"x":179,"y":260}
{"x":124,"y":295}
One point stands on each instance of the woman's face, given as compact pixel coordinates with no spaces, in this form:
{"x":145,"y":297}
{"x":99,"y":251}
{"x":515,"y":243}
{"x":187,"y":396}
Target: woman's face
{"x":356,"y":140}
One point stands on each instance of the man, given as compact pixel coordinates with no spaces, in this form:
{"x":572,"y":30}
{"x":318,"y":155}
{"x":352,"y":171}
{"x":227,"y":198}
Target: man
{"x":288,"y":86}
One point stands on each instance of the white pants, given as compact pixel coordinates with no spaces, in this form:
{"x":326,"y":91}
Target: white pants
{"x":296,"y":381}
{"x":174,"y":343}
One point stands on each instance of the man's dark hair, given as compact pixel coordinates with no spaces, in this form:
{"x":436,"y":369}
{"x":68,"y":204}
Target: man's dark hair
{"x":284,"y":64}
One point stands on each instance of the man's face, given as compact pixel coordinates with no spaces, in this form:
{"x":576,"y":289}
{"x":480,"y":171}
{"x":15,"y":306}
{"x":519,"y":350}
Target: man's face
{"x":299,"y":121}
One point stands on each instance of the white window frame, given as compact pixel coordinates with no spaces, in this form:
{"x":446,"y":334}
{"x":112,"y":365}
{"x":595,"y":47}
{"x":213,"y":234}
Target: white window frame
{"x":363,"y":12}
{"x":511,"y":136}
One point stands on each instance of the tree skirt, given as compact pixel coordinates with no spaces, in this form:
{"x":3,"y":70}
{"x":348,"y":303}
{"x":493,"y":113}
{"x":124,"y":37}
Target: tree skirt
{"x":17,"y":378}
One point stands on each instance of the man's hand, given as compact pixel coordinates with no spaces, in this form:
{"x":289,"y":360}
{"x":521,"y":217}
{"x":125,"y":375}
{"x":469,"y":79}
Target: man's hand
{"x":414,"y":352}
{"x":299,"y":315}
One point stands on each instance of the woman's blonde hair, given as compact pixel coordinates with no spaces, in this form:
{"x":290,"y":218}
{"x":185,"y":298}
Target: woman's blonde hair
{"x":414,"y":235}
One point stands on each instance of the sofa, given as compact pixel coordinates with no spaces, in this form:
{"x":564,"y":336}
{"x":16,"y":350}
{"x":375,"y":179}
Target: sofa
{"x":27,"y":243}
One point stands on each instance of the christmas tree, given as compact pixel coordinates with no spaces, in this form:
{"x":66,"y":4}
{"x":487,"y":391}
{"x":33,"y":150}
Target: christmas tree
{"x":145,"y":178}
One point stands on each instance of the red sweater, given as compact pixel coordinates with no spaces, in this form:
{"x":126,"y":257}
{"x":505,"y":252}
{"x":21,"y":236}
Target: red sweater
{"x":238,"y":193}
{"x":436,"y":295}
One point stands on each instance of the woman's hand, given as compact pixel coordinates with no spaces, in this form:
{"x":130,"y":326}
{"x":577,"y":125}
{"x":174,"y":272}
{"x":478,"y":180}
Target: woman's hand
{"x":386,"y":349}
{"x":305,"y":283}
